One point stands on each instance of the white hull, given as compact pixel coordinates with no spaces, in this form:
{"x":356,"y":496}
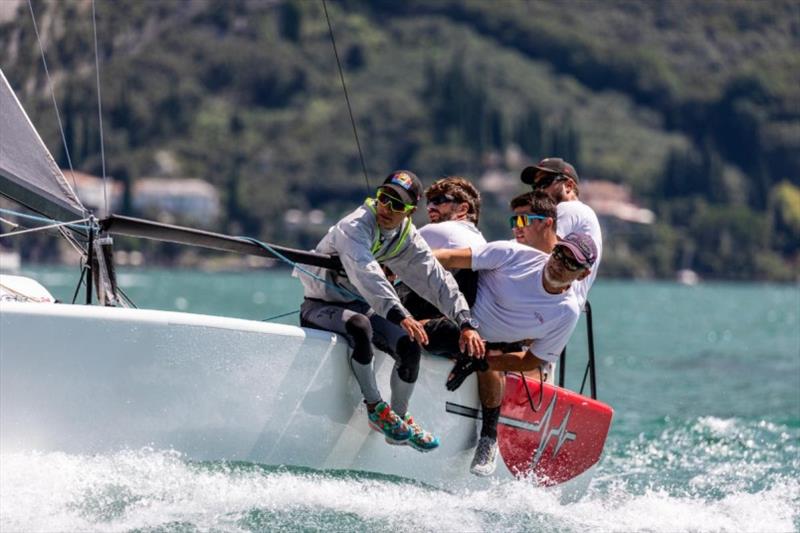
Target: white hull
{"x":85,"y":379}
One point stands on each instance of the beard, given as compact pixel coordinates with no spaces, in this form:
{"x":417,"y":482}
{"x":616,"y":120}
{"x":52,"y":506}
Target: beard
{"x":558,"y":195}
{"x":444,"y":217}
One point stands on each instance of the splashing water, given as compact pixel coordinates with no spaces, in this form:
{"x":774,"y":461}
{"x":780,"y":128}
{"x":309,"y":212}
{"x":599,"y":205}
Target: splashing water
{"x":710,"y":475}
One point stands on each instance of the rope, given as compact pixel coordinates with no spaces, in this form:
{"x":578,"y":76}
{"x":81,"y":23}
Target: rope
{"x":29,"y":217}
{"x":280,"y":316}
{"x":346,"y":97}
{"x":12,"y":224}
{"x":100,"y":109}
{"x":534,"y":408}
{"x":291,"y":263}
{"x":53,"y":94}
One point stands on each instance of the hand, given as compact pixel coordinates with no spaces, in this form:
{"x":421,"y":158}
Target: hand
{"x":415,"y":330}
{"x":462,"y":369}
{"x":391,"y":276}
{"x":470,"y":342}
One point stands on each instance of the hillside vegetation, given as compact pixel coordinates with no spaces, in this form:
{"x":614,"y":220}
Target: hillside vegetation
{"x":695,"y":106}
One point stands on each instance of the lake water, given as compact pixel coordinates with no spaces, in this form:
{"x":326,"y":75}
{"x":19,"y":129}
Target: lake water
{"x":704,"y":380}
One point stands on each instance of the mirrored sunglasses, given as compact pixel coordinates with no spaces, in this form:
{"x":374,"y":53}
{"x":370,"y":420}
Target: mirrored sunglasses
{"x":520,"y":221}
{"x":395,"y":204}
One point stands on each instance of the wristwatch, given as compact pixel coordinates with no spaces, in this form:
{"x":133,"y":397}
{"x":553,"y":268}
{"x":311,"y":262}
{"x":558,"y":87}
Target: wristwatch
{"x":469,"y":323}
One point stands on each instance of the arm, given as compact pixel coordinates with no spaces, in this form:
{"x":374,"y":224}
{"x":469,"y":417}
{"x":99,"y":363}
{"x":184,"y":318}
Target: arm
{"x":454,"y":258}
{"x":352,"y":240}
{"x":419,"y":270}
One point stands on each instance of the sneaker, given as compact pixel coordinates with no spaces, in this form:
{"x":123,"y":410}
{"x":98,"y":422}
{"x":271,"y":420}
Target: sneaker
{"x":485,"y":460}
{"x":384,"y":420}
{"x":421,"y":440}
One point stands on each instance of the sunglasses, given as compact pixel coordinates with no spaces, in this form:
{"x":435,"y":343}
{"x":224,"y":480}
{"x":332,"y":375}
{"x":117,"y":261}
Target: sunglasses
{"x":441,"y":199}
{"x":548,"y":179}
{"x":396,"y":205}
{"x":520,"y":221}
{"x":569,"y":263}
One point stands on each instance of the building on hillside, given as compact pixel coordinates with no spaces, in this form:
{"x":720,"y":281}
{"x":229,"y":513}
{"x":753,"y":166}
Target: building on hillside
{"x":176,"y":200}
{"x":93,"y":190}
{"x":611,"y":200}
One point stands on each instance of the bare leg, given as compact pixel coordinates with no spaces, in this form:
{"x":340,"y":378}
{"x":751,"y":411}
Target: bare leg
{"x":491,"y":387}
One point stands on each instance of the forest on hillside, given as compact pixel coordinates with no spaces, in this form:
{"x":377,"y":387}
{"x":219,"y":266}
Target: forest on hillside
{"x":693,"y":105}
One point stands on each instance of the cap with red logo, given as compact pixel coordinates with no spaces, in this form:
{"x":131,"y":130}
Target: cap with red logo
{"x":405,"y":185}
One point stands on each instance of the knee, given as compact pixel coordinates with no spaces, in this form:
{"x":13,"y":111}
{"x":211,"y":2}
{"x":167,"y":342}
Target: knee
{"x":360,"y":331}
{"x":408,"y":357}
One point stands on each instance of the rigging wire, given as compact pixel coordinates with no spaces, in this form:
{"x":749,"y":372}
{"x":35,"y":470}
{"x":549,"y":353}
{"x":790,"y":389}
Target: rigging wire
{"x":100,"y":109}
{"x":346,"y":96}
{"x":53,"y":94}
{"x":70,"y":238}
{"x":74,"y":223}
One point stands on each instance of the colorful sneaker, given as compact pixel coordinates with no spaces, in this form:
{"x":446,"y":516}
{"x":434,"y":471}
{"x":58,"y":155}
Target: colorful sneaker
{"x":485,"y":460}
{"x":384,"y":420}
{"x":421,"y":440}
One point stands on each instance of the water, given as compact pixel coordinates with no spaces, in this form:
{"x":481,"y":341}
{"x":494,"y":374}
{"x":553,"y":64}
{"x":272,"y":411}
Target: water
{"x":705,"y":383}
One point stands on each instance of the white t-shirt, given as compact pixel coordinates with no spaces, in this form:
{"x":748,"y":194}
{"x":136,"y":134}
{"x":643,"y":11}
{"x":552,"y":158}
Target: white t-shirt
{"x":577,"y":217}
{"x":512,"y":304}
{"x":452,"y":234}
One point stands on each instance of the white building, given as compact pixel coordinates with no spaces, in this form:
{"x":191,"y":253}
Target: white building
{"x":187,"y":200}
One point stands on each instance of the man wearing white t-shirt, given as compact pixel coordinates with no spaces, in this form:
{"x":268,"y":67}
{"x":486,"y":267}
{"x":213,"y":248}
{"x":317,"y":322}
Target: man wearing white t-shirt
{"x":525,"y":297}
{"x":559,"y":180}
{"x":453,"y":207}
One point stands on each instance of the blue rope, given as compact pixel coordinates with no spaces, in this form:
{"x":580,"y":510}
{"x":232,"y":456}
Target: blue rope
{"x":40,"y":219}
{"x":280,"y":316}
{"x":291,"y":263}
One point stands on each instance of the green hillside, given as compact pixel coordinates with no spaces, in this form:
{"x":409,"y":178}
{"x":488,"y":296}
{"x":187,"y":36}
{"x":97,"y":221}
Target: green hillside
{"x":695,"y":106}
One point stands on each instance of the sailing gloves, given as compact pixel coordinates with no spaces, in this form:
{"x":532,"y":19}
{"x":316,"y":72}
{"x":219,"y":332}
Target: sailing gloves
{"x":463,"y":368}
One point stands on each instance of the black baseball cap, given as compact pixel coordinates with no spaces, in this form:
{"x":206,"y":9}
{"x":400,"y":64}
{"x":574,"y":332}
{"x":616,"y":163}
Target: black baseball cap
{"x":550,"y":165}
{"x":405,"y":185}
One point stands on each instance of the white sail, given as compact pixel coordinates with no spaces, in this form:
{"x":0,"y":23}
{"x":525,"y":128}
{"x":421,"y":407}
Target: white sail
{"x":28,"y":173}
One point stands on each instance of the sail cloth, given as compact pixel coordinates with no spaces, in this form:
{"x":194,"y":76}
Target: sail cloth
{"x":28,"y":173}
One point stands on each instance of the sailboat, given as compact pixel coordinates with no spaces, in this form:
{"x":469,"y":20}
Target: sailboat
{"x":103,"y":377}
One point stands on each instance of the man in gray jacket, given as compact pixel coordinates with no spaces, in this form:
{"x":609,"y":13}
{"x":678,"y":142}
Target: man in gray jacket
{"x":364,"y":307}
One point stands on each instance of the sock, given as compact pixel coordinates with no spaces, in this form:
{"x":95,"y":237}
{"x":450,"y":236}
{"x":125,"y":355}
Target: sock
{"x":490,"y":417}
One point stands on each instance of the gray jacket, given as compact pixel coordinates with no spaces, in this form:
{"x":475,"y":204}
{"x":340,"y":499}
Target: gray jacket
{"x":352,"y":238}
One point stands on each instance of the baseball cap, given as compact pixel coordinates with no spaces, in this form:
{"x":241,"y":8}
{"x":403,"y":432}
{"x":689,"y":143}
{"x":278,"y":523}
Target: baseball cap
{"x":551,"y":165}
{"x":405,"y":185}
{"x":582,"y":247}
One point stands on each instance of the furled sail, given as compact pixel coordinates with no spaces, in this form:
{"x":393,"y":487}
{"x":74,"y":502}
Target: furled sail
{"x":28,"y":173}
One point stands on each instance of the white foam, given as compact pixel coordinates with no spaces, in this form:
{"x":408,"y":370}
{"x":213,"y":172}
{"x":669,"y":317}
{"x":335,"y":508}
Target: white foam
{"x":129,"y":490}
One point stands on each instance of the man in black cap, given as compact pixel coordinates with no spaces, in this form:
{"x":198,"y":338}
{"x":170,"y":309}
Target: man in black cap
{"x":559,"y":180}
{"x":364,"y":307}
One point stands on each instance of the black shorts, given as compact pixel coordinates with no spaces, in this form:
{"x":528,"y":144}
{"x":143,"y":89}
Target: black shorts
{"x":443,"y":335}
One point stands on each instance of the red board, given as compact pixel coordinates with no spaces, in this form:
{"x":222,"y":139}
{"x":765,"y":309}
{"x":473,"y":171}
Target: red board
{"x":561,"y":439}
